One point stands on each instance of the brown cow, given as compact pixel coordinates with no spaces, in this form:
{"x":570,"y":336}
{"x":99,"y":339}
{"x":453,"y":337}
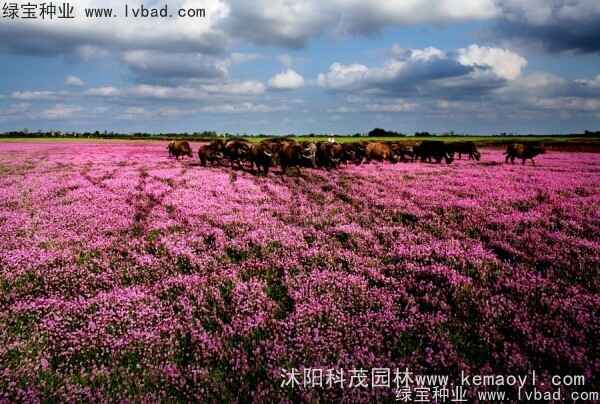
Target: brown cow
{"x":179,"y":148}
{"x":523,"y":151}
{"x":294,"y":154}
{"x":261,"y":156}
{"x":329,"y":154}
{"x":212,"y":152}
{"x":379,"y":151}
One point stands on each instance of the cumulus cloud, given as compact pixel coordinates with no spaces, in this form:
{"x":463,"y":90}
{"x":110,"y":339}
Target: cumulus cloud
{"x":152,"y":64}
{"x":281,"y":22}
{"x":559,"y":25}
{"x":74,"y":81}
{"x":477,"y":80}
{"x":292,"y":24}
{"x":423,"y":71}
{"x":287,"y":80}
{"x":90,"y":37}
{"x":504,"y":63}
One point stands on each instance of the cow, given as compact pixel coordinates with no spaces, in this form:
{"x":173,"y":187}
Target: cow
{"x":309,"y":154}
{"x":433,"y":149}
{"x":178,"y":148}
{"x":379,"y":151}
{"x":261,"y":156}
{"x":212,"y":152}
{"x":237,"y":151}
{"x":400,"y":152}
{"x":329,"y":154}
{"x":294,"y":154}
{"x":467,"y":148}
{"x":523,"y":151}
{"x":354,"y":152}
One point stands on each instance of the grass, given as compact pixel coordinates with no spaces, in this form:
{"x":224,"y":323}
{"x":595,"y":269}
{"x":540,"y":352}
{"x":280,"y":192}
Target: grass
{"x":480,"y":140}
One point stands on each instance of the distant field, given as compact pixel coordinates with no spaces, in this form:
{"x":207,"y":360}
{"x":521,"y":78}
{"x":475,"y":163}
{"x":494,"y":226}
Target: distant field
{"x":562,"y":143}
{"x":341,"y":139}
{"x":484,"y":140}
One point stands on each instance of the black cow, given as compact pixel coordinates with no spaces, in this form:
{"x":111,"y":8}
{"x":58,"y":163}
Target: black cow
{"x":523,"y":151}
{"x":212,"y":152}
{"x":433,"y":149}
{"x":467,"y":148}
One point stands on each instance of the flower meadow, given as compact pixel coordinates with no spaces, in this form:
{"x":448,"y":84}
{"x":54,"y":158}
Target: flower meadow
{"x":129,"y":276}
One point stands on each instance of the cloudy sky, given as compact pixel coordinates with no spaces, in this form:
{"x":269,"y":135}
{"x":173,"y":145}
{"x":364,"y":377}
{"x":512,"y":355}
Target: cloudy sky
{"x":282,"y":66}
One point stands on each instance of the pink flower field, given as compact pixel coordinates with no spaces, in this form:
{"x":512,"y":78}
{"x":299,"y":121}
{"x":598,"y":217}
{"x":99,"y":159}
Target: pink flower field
{"x":129,"y":276}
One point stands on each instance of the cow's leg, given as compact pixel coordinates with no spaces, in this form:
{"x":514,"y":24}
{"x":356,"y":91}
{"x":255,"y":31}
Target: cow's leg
{"x":506,"y":159}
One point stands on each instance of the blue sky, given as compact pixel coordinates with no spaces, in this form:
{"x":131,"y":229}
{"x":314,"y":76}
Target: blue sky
{"x":338,"y":66}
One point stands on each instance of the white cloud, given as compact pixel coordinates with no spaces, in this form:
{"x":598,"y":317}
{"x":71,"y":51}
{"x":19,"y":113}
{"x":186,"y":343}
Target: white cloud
{"x":559,"y":25}
{"x":503,"y":62}
{"x":249,"y":87}
{"x":392,"y":105}
{"x":423,"y":55}
{"x":397,"y":106}
{"x":108,"y":91}
{"x":287,"y":80}
{"x":239,"y":57}
{"x":88,"y":53}
{"x":342,"y":76}
{"x":420,"y":71}
{"x":246,"y":107}
{"x":277,"y":22}
{"x":15,"y":111}
{"x":61,"y":112}
{"x":175,"y":65}
{"x":90,"y":38}
{"x":291,"y":24}
{"x":593,"y":83}
{"x":37,"y":95}
{"x":405,"y":70}
{"x":568,"y":103}
{"x":182,"y":93}
{"x":74,"y":81}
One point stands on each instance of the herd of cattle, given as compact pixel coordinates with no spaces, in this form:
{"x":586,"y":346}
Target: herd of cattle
{"x":289,"y":153}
